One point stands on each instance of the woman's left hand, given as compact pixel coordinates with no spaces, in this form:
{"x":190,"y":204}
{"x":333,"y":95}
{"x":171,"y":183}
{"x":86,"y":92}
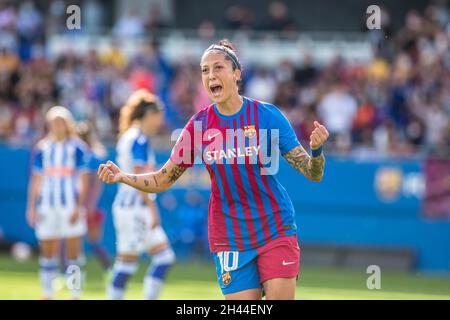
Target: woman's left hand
{"x":76,"y":215}
{"x":319,"y":136}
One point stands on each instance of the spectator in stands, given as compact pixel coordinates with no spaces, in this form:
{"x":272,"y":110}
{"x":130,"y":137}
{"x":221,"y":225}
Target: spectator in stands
{"x":279,"y":18}
{"x":129,"y":25}
{"x":8,"y":19}
{"x":6,"y":116}
{"x":9,"y":62}
{"x":262,"y":86}
{"x":29,"y":28}
{"x":206,"y":30}
{"x":365,"y":149}
{"x":338,"y":108}
{"x":155,"y":21}
{"x":114,"y":57}
{"x":307,"y":72}
{"x":239,"y":17}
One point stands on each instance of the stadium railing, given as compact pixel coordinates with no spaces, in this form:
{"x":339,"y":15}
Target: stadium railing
{"x":187,"y":44}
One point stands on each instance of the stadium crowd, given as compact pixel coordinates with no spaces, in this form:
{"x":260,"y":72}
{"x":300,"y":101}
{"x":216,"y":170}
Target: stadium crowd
{"x":398,"y":104}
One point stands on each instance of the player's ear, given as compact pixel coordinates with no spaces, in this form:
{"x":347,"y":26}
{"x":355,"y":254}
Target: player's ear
{"x":237,"y":74}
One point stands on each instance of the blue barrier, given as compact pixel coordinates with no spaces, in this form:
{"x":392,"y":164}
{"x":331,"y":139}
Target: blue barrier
{"x":364,"y":203}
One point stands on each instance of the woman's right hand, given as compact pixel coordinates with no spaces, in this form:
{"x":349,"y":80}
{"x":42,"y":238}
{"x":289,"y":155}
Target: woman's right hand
{"x":110,"y":173}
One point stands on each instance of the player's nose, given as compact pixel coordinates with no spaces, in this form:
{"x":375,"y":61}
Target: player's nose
{"x":211,"y":75}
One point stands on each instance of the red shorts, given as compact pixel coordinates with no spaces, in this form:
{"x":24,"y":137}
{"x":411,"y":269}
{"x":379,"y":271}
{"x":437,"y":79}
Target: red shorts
{"x":280,"y":258}
{"x":243,"y":270}
{"x":95,"y":218}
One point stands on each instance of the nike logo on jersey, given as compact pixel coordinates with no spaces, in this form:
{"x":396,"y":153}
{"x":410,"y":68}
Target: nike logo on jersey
{"x":214,"y":135}
{"x":288,"y":263}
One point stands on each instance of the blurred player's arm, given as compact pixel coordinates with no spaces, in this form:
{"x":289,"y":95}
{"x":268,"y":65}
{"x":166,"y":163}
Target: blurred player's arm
{"x":35,"y":185}
{"x":95,"y":191}
{"x":33,"y":192}
{"x":82,"y":196}
{"x":82,"y":159}
{"x":152,"y":182}
{"x":84,"y":187}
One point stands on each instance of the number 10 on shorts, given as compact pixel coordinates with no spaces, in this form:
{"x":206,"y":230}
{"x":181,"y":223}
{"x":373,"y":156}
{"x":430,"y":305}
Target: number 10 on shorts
{"x":227,"y":257}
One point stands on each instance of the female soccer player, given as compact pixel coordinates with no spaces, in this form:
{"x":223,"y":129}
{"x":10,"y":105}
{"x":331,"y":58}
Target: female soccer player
{"x":95,"y":215}
{"x":56,"y":199}
{"x":251,"y":225}
{"x":136,"y":216}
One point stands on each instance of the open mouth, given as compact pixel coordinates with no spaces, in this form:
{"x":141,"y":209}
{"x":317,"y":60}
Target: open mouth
{"x":216,"y":89}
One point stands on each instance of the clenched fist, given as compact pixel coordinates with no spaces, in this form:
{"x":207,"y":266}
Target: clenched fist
{"x":319,"y":136}
{"x":109,"y":173}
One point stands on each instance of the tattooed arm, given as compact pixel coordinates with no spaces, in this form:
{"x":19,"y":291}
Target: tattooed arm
{"x":139,"y":169}
{"x":310,"y":167}
{"x":153,"y":182}
{"x":313,"y":166}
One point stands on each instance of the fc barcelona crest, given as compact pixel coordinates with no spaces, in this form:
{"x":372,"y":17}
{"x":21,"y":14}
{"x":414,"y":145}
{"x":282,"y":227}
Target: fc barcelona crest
{"x":249,"y":131}
{"x":226,"y":278}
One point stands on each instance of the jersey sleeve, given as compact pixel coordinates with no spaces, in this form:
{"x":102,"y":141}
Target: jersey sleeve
{"x":37,"y":166}
{"x":183,"y":152}
{"x":82,"y":158}
{"x":287,"y":138}
{"x":94,"y":162}
{"x":139,"y":151}
{"x":92,"y":165}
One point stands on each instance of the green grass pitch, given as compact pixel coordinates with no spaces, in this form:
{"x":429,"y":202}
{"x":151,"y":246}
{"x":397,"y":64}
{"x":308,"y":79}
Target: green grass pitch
{"x":197,"y":281}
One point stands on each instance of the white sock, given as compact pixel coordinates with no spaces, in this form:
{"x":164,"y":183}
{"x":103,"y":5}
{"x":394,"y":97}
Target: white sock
{"x":48,"y":270}
{"x":153,"y":281}
{"x":122,"y":272}
{"x":152,"y":287}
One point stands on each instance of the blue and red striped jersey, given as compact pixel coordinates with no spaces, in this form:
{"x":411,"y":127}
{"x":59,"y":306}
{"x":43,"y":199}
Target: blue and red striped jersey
{"x":248,"y":206}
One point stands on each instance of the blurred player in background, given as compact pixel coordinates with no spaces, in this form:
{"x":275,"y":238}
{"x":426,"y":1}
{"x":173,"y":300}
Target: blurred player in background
{"x":136,"y":216}
{"x":57,"y":197}
{"x":251,"y":223}
{"x":95,"y":215}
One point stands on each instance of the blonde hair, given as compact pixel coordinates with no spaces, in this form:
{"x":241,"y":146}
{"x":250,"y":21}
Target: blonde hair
{"x":87,"y":134}
{"x":136,"y":106}
{"x":66,"y":115}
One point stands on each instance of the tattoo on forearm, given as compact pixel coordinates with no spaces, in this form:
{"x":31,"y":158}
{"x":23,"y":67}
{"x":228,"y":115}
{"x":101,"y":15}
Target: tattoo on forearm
{"x":156,"y":181}
{"x":146,"y":183}
{"x":164,"y":171}
{"x":301,"y":161}
{"x":176,"y":173}
{"x":132,"y":178}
